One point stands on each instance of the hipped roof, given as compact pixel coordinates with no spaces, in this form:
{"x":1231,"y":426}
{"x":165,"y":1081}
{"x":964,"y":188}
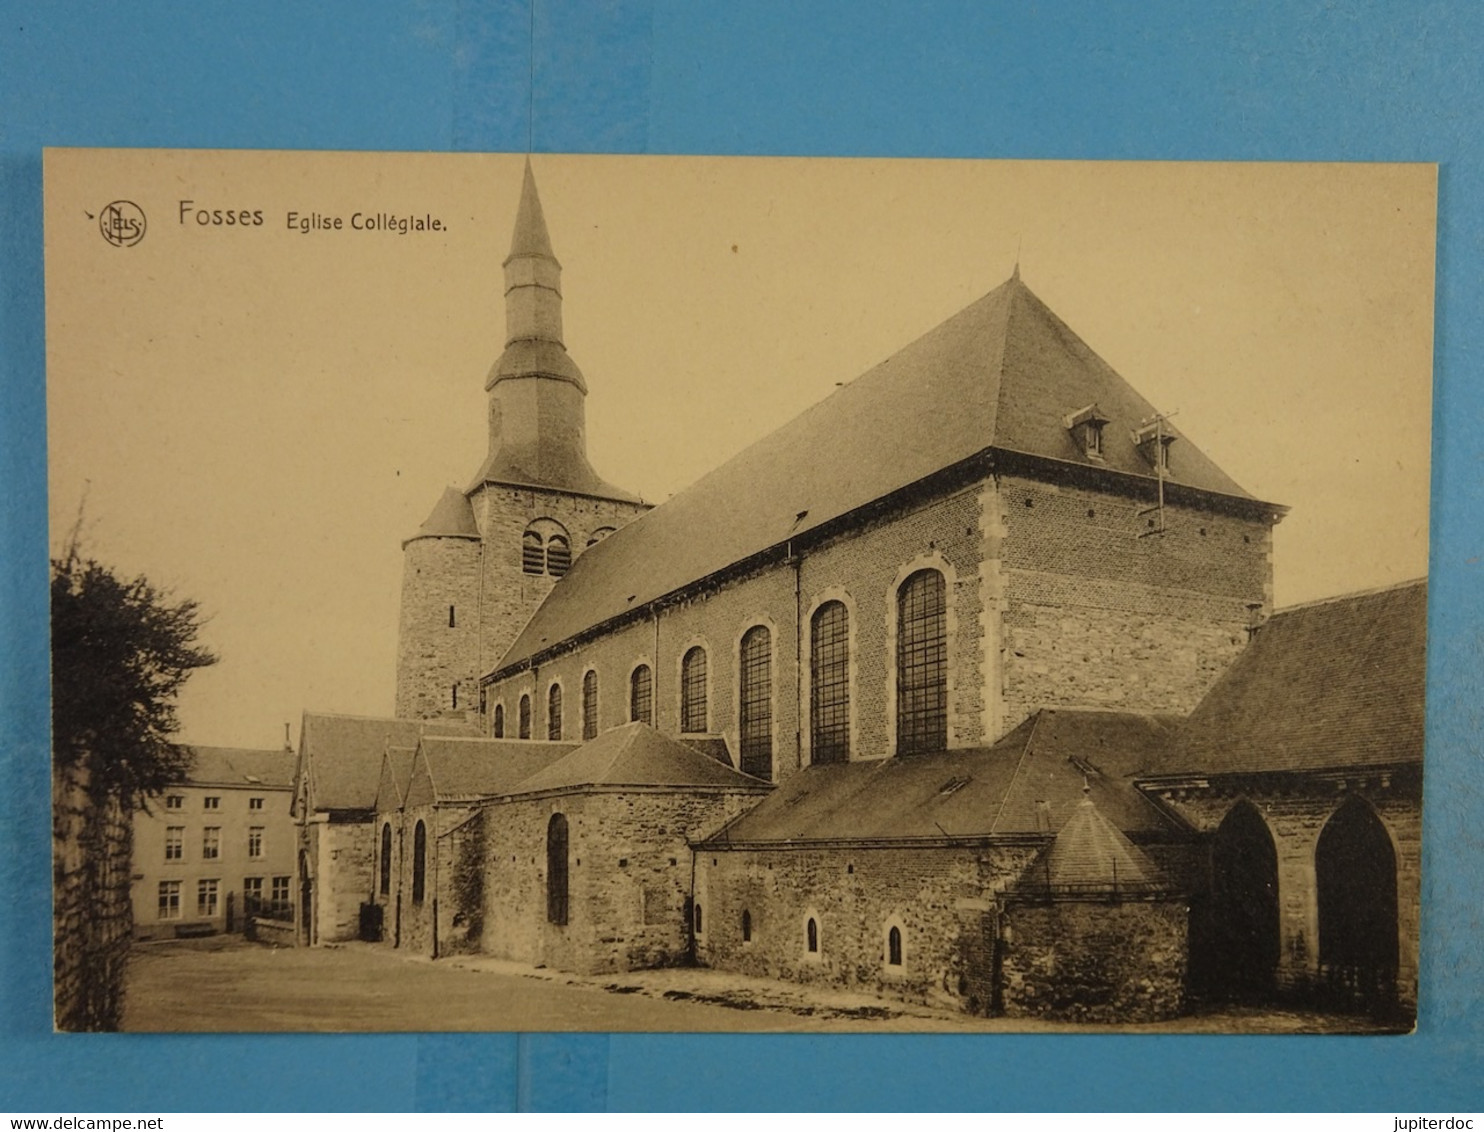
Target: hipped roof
{"x":1001,"y":375}
{"x":465,"y":770}
{"x":636,"y":755}
{"x":1028,"y":783}
{"x":1328,"y":685}
{"x":1091,"y":853}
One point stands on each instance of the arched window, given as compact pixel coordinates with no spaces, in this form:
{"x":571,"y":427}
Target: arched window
{"x":556,"y":869}
{"x":746,"y":926}
{"x":700,"y":928}
{"x":558,"y":556}
{"x":499,"y":721}
{"x":641,"y":696}
{"x":525,"y":717}
{"x":419,"y":862}
{"x":554,"y":712}
{"x":599,"y":535}
{"x":894,"y":947}
{"x":386,"y":859}
{"x":545,"y":548}
{"x":755,"y":671}
{"x":922,"y":663}
{"x":693,"y":690}
{"x":532,"y":552}
{"x":829,"y":684}
{"x":590,"y":705}
{"x":811,"y":936}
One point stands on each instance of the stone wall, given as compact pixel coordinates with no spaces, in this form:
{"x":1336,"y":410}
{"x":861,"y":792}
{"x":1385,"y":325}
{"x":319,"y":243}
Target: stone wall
{"x":629,"y":876}
{"x":1094,"y":960}
{"x":438,"y":650}
{"x":444,"y":891}
{"x":937,"y":898}
{"x":91,"y":917}
{"x":341,"y":857}
{"x":1096,"y":616}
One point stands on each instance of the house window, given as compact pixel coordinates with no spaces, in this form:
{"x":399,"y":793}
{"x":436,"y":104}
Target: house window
{"x":174,"y":802}
{"x":175,"y":843}
{"x":419,"y":862}
{"x":641,"y":695}
{"x":211,"y":843}
{"x":746,"y":926}
{"x":206,"y":894}
{"x":499,"y":721}
{"x":558,"y":556}
{"x":1086,"y":426}
{"x":590,"y":705}
{"x":922,"y":663}
{"x":252,"y":895}
{"x":811,"y":936}
{"x":693,"y":690}
{"x":556,"y":869}
{"x":554,"y":712}
{"x":255,"y":803}
{"x":525,"y":717}
{"x":211,"y":803}
{"x":755,"y":698}
{"x":386,"y":859}
{"x":169,"y":900}
{"x":280,"y":902}
{"x":829,"y":684}
{"x":894,"y":947}
{"x":255,"y":841}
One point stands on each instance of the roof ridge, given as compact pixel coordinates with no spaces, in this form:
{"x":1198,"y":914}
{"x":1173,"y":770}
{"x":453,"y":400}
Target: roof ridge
{"x":1350,"y":595}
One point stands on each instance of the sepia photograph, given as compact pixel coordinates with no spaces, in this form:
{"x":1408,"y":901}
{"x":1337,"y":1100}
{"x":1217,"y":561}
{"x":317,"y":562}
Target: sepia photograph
{"x":622,"y":593}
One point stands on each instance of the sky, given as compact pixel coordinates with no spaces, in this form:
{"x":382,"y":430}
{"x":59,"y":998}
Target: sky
{"x":255,"y":416}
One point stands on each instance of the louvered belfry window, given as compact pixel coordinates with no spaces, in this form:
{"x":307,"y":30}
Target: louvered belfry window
{"x":641,"y":696}
{"x":532,"y":553}
{"x":590,"y":705}
{"x":829,"y":684}
{"x":558,"y":556}
{"x":922,"y":664}
{"x":756,"y":702}
{"x":693,"y":691}
{"x":554,"y":712}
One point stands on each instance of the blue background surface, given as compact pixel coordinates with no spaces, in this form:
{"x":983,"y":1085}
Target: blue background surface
{"x":1301,"y":81}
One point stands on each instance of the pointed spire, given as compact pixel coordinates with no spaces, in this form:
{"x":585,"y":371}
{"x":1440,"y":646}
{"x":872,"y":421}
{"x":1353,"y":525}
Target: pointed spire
{"x":530,"y":237}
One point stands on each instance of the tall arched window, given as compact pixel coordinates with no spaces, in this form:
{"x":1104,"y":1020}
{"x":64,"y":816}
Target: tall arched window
{"x":641,"y":696}
{"x":894,"y":947}
{"x":556,"y":869}
{"x":545,"y":548}
{"x":746,"y":926}
{"x":922,"y":663}
{"x":554,"y":712}
{"x":590,"y":705}
{"x":755,"y":671}
{"x":525,"y":717}
{"x":499,"y":721}
{"x":386,"y":859}
{"x":693,"y":690}
{"x":829,"y":684}
{"x":811,"y":936}
{"x":419,"y":862}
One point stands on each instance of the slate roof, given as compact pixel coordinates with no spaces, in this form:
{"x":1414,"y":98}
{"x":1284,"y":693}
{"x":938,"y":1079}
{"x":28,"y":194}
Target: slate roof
{"x":1002,"y":375}
{"x":1029,"y":782}
{"x":241,"y":766}
{"x":1332,"y":684}
{"x":450,"y":769}
{"x":636,"y":755}
{"x":342,"y":755}
{"x":451,"y":517}
{"x":396,"y":773}
{"x":1090,"y":854}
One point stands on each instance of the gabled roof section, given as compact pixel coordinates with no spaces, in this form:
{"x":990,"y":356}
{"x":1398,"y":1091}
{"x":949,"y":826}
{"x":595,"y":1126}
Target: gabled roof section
{"x":451,"y":769}
{"x":1328,"y":685}
{"x":636,"y":755}
{"x":396,"y":773}
{"x":1001,"y":375}
{"x":1028,"y":783}
{"x":242,"y":767}
{"x":341,"y":755}
{"x":451,"y":517}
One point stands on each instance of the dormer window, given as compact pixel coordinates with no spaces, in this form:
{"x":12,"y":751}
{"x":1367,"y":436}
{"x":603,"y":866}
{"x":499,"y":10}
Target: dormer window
{"x":1153,"y":442}
{"x":1086,"y":426}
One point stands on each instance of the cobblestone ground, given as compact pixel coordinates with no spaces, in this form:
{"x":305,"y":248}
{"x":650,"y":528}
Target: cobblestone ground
{"x":225,"y":984}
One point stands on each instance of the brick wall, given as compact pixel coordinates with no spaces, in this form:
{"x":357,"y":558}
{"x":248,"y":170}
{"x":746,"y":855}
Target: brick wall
{"x":936,"y":897}
{"x":629,"y":877}
{"x":1094,"y":961}
{"x":91,"y":917}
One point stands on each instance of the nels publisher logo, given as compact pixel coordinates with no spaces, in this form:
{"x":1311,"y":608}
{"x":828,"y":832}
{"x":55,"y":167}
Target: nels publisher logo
{"x":122,"y":223}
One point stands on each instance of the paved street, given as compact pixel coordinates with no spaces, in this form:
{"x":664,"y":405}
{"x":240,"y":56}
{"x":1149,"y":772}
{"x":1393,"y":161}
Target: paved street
{"x":225,"y":984}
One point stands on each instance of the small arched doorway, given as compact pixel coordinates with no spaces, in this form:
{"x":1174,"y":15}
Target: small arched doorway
{"x":1234,"y":932}
{"x":1355,"y":876}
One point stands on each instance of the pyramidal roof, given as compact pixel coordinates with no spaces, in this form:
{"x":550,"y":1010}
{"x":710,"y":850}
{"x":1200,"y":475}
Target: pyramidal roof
{"x":530,"y":237}
{"x":1090,"y":853}
{"x":635,"y":755}
{"x":451,"y":517}
{"x":1001,"y":376}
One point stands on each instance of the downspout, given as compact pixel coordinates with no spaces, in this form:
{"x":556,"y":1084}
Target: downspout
{"x":690,"y":927}
{"x":437,"y":853}
{"x":798,"y":562}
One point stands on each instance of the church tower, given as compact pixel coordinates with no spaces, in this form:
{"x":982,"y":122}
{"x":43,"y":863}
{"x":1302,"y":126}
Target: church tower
{"x":487,"y":556}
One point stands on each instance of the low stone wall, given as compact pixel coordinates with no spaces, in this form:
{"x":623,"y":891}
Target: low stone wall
{"x":279,"y":933}
{"x":1094,"y":960}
